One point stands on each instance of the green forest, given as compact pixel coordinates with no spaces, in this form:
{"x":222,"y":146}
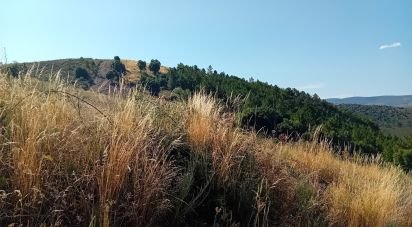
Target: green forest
{"x":278,"y":112}
{"x":396,"y":121}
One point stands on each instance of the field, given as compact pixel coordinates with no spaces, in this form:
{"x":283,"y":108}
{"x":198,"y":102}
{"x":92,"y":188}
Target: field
{"x":73,"y":157}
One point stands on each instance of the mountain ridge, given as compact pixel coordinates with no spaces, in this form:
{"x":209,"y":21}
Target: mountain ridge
{"x":383,"y":100}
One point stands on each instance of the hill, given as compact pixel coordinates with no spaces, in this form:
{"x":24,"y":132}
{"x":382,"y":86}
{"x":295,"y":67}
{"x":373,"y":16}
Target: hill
{"x":75,"y":157}
{"x":395,"y":121}
{"x":279,"y":113}
{"x":96,"y":68}
{"x":396,"y":101}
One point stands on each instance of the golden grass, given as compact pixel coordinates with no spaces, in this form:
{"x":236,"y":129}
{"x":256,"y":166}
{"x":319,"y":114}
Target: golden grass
{"x":357,"y":191}
{"x":203,"y":117}
{"x":91,"y":158}
{"x":51,"y":136}
{"x":134,"y":74}
{"x":211,"y":131}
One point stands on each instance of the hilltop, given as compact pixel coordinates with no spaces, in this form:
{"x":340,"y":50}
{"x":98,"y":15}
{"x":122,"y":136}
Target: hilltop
{"x":97,"y":68}
{"x":75,"y":157}
{"x":389,"y":100}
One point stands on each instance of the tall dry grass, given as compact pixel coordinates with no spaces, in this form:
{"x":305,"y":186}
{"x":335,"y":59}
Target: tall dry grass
{"x":212,"y":132}
{"x":58,"y":143}
{"x":81,"y":158}
{"x":356,"y":191}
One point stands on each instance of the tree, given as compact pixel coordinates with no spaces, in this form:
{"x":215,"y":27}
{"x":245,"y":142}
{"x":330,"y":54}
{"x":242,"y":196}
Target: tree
{"x":151,"y":83}
{"x":118,"y":70}
{"x":154,"y":66}
{"x":210,"y":70}
{"x":154,"y":86}
{"x":171,"y":80}
{"x":118,"y":66}
{"x":141,"y":65}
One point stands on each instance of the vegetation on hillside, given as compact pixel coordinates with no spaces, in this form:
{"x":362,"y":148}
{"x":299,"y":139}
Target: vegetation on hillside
{"x":67,"y":67}
{"x":396,"y":121}
{"x":117,"y":70}
{"x":78,"y":158}
{"x":280,"y":113}
{"x":285,"y":114}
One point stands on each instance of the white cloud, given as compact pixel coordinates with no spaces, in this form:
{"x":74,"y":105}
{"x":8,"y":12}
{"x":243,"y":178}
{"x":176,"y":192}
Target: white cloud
{"x":392,"y":45}
{"x":311,"y":86}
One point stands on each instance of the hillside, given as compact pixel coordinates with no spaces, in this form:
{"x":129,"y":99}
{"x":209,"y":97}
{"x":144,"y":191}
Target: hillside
{"x":97,"y":69}
{"x":395,"y":121}
{"x":74,"y":157}
{"x":396,"y":101}
{"x":282,"y":114}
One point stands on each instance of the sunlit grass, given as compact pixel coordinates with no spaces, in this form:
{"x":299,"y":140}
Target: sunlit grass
{"x":74,"y":157}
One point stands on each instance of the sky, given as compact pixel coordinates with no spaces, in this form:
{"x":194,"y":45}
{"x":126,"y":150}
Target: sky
{"x":328,"y":47}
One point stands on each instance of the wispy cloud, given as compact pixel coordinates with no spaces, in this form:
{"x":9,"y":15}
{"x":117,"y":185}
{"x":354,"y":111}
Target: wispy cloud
{"x":392,"y":45}
{"x":311,"y":86}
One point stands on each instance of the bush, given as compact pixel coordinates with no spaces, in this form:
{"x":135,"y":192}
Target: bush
{"x":12,"y":70}
{"x":83,"y":76}
{"x":112,"y":75}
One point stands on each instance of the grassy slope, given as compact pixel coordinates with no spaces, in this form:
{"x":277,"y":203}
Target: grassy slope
{"x":97,"y":68}
{"x":129,"y":159}
{"x":392,"y":120}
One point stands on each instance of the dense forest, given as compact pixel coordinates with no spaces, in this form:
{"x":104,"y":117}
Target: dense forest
{"x":396,"y":121}
{"x":277,"y":112}
{"x":284,"y":114}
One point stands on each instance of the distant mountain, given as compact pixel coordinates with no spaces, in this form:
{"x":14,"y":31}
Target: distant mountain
{"x":389,"y":100}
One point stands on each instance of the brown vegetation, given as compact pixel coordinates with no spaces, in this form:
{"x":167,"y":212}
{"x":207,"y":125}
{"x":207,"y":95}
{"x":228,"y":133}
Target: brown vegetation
{"x":79,"y":158}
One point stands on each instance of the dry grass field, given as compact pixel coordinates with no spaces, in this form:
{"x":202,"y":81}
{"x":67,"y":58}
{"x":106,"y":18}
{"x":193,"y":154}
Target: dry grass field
{"x":70,"y":157}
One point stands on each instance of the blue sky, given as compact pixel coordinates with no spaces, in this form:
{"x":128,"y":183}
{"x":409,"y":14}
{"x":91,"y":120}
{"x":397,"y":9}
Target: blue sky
{"x":329,"y":47}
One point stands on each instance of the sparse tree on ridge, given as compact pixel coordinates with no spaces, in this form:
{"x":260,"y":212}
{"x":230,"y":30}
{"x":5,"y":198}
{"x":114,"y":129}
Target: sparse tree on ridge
{"x":118,"y":70}
{"x":141,"y":65}
{"x":154,"y":66}
{"x":118,"y":66}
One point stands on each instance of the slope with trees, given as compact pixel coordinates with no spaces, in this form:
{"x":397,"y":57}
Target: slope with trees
{"x":281,"y":113}
{"x":396,"y":121}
